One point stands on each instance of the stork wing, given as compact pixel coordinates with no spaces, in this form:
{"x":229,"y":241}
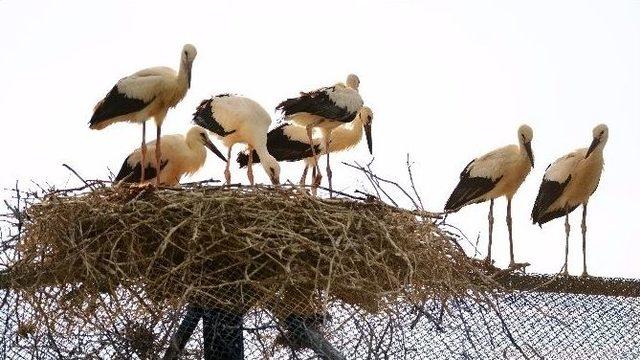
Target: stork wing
{"x":131,"y":169}
{"x":338,"y":103}
{"x":554,"y":182}
{"x":282,"y":146}
{"x":130,"y":95}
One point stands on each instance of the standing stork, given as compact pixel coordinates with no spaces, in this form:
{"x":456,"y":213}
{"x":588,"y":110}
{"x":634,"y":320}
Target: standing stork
{"x":183,"y":154}
{"x":568,"y":183}
{"x":495,"y":174}
{"x":236,"y":119}
{"x":325,"y":108}
{"x":289,"y":142}
{"x":145,"y":94}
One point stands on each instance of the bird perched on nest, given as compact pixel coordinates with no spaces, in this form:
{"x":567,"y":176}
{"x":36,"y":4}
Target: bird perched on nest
{"x":289,"y":142}
{"x":145,"y":94}
{"x":568,"y":183}
{"x":183,"y":154}
{"x":495,"y":174}
{"x":236,"y":119}
{"x":326,"y":109}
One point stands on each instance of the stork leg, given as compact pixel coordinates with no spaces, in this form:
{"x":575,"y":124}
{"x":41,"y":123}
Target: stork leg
{"x":303,"y":179}
{"x":512,"y":263}
{"x":488,"y":258}
{"x":329,"y":173}
{"x":143,"y":150}
{"x":567,"y":229}
{"x":316,"y":174}
{"x":250,"y":166}
{"x":584,"y":240}
{"x":158,"y":154}
{"x":227,"y":173}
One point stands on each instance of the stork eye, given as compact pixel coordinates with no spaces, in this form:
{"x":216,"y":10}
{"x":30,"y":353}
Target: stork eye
{"x":369,"y":117}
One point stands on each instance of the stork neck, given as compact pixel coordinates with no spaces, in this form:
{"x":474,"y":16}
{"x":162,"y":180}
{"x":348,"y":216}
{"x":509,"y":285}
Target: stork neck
{"x":346,"y":136}
{"x":184,"y":73}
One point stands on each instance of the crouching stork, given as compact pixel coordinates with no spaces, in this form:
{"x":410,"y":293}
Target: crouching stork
{"x":289,"y":142}
{"x":182,"y":155}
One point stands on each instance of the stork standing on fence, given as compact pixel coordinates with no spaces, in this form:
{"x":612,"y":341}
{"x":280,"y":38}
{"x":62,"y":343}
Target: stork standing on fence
{"x":289,"y":142}
{"x":182,"y":155}
{"x":236,"y":119}
{"x":326,"y":109}
{"x":498,"y":173}
{"x":145,"y":94}
{"x":568,"y":183}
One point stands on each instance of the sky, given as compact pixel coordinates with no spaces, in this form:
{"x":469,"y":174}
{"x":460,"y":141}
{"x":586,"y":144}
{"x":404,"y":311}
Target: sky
{"x":447,"y":82}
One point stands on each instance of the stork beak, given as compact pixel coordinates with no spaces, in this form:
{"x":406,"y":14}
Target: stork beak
{"x":367,"y":131}
{"x":527,"y":147}
{"x":593,"y":146}
{"x":213,"y":148}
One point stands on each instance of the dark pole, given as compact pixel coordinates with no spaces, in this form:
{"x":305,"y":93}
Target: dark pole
{"x":182,"y":335}
{"x":222,"y":333}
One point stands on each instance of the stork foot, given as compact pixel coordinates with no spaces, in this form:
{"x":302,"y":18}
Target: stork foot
{"x":565,"y":272}
{"x":584,"y":275}
{"x":488,"y":260}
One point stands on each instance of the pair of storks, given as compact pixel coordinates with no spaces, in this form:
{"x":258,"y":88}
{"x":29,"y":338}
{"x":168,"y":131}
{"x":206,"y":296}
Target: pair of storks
{"x":234,"y":119}
{"x":567,"y":183}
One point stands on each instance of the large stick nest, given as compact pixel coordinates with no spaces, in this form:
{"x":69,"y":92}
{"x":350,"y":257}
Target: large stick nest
{"x":238,"y":247}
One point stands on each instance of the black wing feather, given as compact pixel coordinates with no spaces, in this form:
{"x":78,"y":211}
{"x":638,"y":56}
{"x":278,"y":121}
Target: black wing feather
{"x":204,"y":117}
{"x":316,"y":103}
{"x":549,"y":192}
{"x":281,"y":147}
{"x":469,"y":189}
{"x":116,"y":104}
{"x":132,"y":174}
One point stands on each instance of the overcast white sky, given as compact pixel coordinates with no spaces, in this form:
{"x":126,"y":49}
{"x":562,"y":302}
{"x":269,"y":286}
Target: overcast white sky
{"x":447,"y":82}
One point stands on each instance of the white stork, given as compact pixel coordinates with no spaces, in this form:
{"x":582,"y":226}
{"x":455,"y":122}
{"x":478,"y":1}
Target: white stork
{"x":289,"y":142}
{"x":145,"y":94}
{"x":236,"y":119}
{"x":495,"y":174}
{"x":183,"y":154}
{"x":325,"y":108}
{"x":568,"y":183}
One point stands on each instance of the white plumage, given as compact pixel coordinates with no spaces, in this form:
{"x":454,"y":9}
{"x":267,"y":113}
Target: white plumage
{"x":568,"y":183}
{"x":148,"y":93}
{"x":236,"y":119}
{"x":326,"y":109}
{"x":498,"y":173}
{"x":182,"y":155}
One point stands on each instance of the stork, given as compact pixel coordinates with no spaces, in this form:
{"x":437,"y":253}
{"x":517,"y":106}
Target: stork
{"x":145,"y":94}
{"x":236,"y":119}
{"x":183,"y":154}
{"x":289,"y":142}
{"x":567,"y":184}
{"x":495,"y":174}
{"x":326,"y":109}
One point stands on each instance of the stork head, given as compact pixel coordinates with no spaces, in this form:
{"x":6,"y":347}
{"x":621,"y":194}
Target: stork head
{"x":199,"y":136}
{"x":353,"y":81}
{"x":525,"y":135}
{"x":600,"y":137}
{"x":189,"y":53}
{"x":271,"y":167}
{"x":366,"y":116}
